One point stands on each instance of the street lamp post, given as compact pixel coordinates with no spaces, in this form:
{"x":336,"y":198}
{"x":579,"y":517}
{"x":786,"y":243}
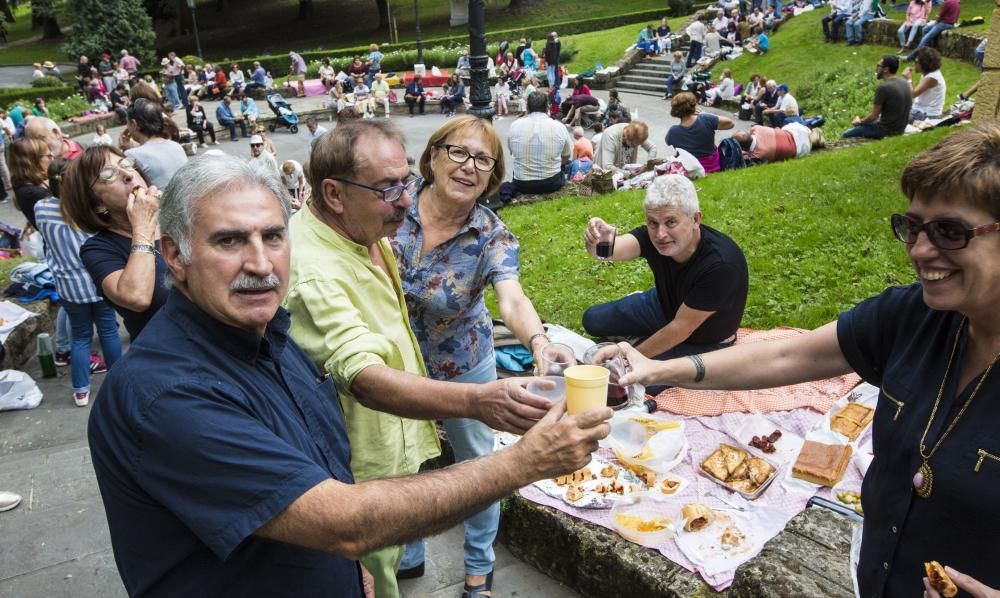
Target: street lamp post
{"x":482,"y":99}
{"x":420,"y":44}
{"x":194,"y":20}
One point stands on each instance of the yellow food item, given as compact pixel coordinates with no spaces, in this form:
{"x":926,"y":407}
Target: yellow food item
{"x":656,"y":425}
{"x":642,"y":524}
{"x":645,"y":455}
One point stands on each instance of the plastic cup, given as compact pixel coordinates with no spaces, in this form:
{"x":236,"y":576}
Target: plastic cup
{"x":586,"y":388}
{"x":554,"y":359}
{"x":552,"y":388}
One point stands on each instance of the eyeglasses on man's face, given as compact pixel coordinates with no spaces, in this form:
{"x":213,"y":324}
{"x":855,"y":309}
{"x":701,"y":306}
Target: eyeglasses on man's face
{"x":389,"y":194}
{"x":108,"y":174}
{"x":943,"y":234}
{"x":461,"y":155}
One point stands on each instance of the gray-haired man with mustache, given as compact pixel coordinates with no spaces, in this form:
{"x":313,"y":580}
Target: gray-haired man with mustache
{"x":220,"y":449}
{"x":350,"y":316}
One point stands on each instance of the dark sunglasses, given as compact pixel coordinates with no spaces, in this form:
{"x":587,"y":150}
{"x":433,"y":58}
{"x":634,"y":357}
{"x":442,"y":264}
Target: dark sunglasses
{"x":943,"y":234}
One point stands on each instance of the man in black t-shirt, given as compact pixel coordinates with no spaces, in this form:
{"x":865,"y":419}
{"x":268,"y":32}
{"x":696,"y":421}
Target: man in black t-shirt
{"x":891,"y":108}
{"x":700,"y":276}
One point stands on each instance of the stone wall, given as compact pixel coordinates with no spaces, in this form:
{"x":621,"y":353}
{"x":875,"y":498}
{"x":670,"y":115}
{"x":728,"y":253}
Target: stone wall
{"x":953,"y":44}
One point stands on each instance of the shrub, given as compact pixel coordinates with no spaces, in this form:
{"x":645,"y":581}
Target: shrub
{"x":28,"y":94}
{"x":193,"y":60}
{"x":47,"y":81}
{"x":74,"y":105}
{"x":680,"y":7}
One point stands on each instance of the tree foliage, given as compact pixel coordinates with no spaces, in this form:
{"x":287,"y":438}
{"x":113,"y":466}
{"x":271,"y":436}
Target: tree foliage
{"x":111,"y":25}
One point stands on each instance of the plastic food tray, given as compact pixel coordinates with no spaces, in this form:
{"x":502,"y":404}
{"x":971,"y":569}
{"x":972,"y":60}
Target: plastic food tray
{"x":749,"y":496}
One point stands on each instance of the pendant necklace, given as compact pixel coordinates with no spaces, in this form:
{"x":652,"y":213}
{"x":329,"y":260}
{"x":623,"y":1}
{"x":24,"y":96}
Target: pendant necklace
{"x":923,"y":480}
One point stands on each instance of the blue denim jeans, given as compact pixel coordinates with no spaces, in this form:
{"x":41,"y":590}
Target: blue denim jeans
{"x":551,"y":74}
{"x":83,"y":317}
{"x":906,"y":34}
{"x":469,"y":439}
{"x":670,"y":84}
{"x":871,"y":131}
{"x":64,"y":334}
{"x":170,"y":92}
{"x":929,"y":34}
{"x":854,"y":27}
{"x":639,"y":315}
{"x":694,"y":53}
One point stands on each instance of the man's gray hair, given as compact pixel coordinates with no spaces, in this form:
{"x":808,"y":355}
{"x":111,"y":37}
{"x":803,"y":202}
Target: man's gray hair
{"x":672,"y":190}
{"x":201,"y":178}
{"x":537,"y":102}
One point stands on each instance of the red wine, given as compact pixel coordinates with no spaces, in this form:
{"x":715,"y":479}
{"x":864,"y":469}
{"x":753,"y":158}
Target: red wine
{"x":617,"y":396}
{"x":605,"y":249}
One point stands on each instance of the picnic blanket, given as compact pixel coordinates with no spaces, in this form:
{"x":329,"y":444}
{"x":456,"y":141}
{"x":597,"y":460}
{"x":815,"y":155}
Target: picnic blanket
{"x":763,"y":518}
{"x":819,"y":395}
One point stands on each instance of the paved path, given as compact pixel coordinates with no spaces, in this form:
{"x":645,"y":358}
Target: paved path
{"x":20,"y":75}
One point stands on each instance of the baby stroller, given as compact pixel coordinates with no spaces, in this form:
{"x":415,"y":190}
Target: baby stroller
{"x":284,"y":116}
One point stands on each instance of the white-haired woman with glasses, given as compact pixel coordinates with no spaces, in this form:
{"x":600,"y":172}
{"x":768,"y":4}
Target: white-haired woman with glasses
{"x":931,"y":347}
{"x":450,"y":248}
{"x":104,"y":194}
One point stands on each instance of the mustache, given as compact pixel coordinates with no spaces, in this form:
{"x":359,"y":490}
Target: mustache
{"x":249,"y":282}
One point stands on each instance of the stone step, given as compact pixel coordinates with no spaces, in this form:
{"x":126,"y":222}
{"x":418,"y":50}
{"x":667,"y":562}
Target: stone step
{"x":647,"y":71}
{"x":646,"y":88}
{"x":642,"y":92}
{"x":640,"y":80}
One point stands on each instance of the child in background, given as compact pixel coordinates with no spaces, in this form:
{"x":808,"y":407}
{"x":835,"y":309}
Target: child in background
{"x":102,"y":137}
{"x":502,"y":94}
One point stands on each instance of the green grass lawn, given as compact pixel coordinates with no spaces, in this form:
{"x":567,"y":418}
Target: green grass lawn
{"x":815,"y":232}
{"x":39,"y":51}
{"x":607,"y":46}
{"x":839,"y":82}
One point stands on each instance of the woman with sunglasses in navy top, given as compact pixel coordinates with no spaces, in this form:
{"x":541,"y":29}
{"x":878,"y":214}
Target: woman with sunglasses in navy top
{"x":932,"y":348}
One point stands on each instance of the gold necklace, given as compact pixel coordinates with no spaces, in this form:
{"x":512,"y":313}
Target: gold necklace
{"x":923,"y":480}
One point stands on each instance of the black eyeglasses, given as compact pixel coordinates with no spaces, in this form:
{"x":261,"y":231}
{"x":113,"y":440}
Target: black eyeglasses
{"x":943,"y":234}
{"x":461,"y":155}
{"x":389,"y":194}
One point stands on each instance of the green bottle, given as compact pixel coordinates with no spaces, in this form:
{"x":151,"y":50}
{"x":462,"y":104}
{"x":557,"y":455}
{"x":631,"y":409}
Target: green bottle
{"x":45,"y":357}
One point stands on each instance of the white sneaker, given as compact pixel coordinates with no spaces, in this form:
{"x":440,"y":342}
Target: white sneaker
{"x":82,"y":399}
{"x":9,"y":500}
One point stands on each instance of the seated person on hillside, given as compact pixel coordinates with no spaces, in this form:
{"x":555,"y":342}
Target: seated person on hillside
{"x":539,"y":147}
{"x":725,"y":90}
{"x":928,"y":95}
{"x":840,"y":11}
{"x":716,"y":44}
{"x":647,"y":43}
{"x":258,"y":78}
{"x":891,"y":108}
{"x":619,"y":145}
{"x":663,"y":42}
{"x":677,"y":69}
{"x":695,"y":133}
{"x":947,"y":18}
{"x":871,"y":9}
{"x":785,"y":110}
{"x":761,"y":43}
{"x":700,"y":278}
{"x":769,"y":99}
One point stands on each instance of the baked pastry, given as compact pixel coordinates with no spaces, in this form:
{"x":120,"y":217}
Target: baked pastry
{"x":574,"y":493}
{"x":852,"y":420}
{"x":822,"y":464}
{"x":737,"y":469}
{"x":697,"y":517}
{"x":731,"y":538}
{"x":670,"y":486}
{"x":939,"y":579}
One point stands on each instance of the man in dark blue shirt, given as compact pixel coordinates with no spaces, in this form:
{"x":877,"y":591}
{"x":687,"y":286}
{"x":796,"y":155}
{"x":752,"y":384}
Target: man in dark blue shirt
{"x":219,"y":448}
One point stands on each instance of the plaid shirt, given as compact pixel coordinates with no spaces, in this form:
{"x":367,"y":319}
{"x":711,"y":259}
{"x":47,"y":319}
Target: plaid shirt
{"x":538,"y":145}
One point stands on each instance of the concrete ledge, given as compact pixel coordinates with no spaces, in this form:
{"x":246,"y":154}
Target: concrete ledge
{"x":809,"y":559}
{"x":20,"y":345}
{"x":88,"y":124}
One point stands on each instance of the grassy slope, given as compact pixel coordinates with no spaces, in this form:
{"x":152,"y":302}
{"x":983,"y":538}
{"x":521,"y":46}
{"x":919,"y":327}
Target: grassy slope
{"x":815,"y":232}
{"x":607,"y":46}
{"x":34,"y":52}
{"x":802,"y":36}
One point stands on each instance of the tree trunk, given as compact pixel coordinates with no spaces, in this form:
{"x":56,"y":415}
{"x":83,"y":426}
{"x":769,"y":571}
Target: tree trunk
{"x":44,"y":17}
{"x":383,"y":14}
{"x":50,"y":28}
{"x":305,"y":10}
{"x":8,"y":10}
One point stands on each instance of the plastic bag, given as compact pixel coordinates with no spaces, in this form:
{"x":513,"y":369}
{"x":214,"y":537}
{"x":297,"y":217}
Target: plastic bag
{"x":32,"y":244}
{"x":18,"y":391}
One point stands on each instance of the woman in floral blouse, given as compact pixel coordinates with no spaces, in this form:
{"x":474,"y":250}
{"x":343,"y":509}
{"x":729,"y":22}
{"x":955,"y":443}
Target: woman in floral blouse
{"x":449,"y":249}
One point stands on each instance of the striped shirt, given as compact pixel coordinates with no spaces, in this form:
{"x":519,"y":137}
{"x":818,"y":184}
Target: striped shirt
{"x":62,"y":253}
{"x":538,"y":145}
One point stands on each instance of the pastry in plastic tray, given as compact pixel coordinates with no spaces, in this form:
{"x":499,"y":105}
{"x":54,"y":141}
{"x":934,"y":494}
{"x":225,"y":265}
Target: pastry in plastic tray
{"x":822,"y":464}
{"x":852,"y":420}
{"x":738,"y":470}
{"x":597,"y":486}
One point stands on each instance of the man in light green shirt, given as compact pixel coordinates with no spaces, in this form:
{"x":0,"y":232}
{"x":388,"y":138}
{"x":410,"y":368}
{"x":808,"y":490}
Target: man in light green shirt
{"x":349,"y":315}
